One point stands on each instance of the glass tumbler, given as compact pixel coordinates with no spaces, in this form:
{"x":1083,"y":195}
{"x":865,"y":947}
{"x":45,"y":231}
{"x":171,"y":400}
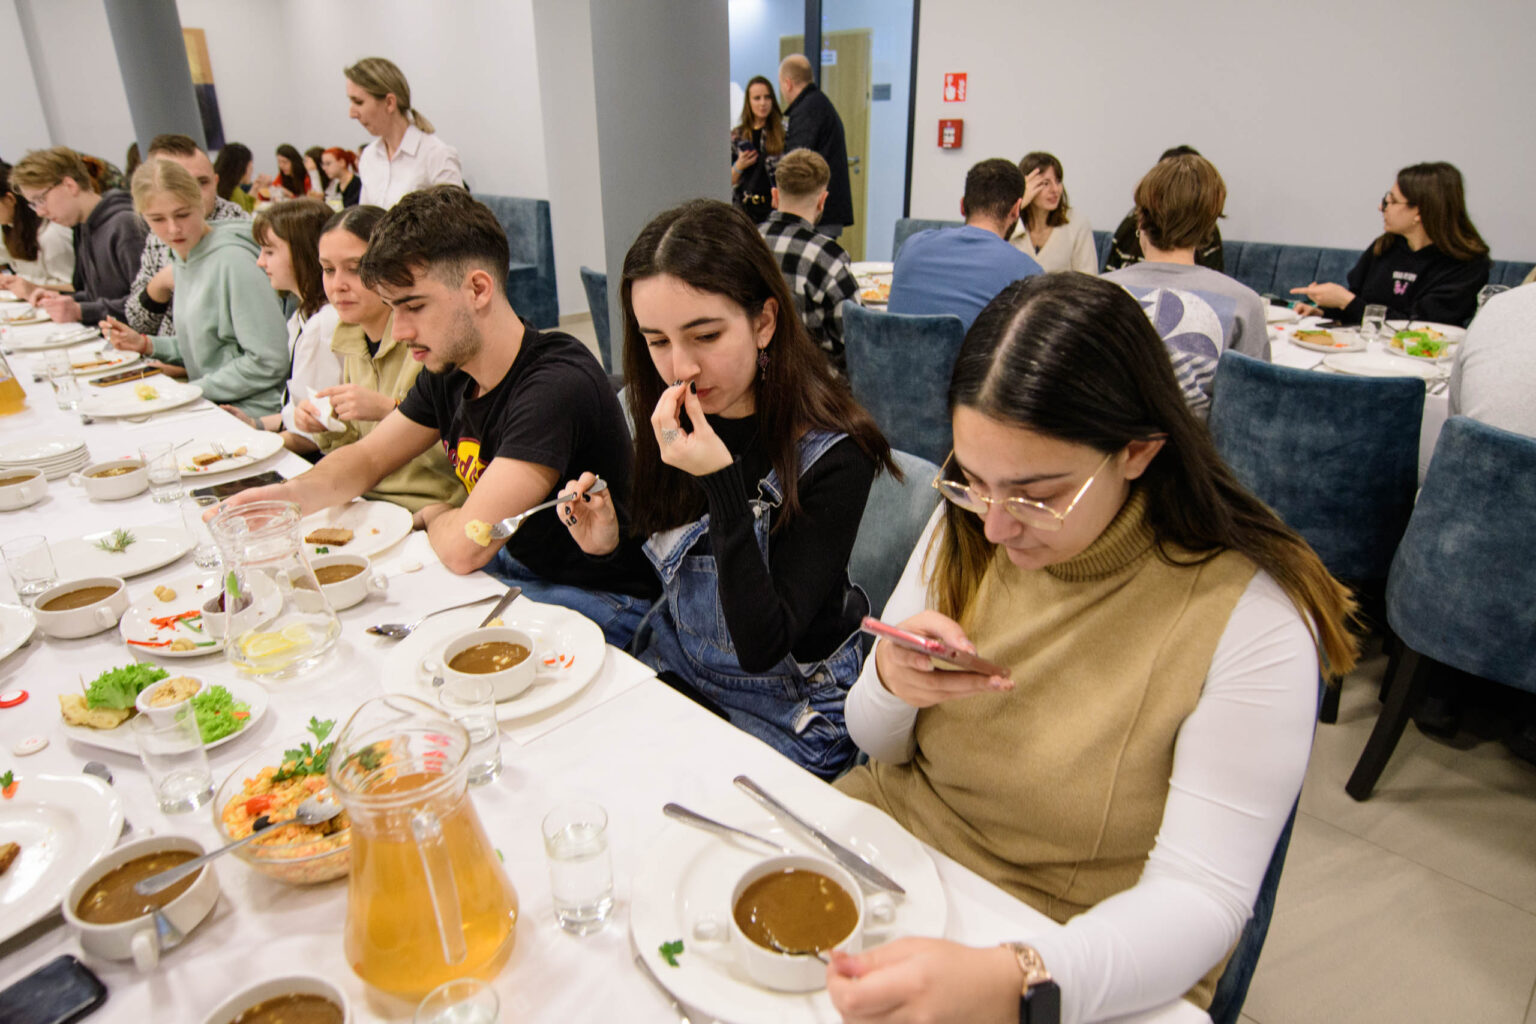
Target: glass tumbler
{"x":580,"y":870}
{"x":164,"y":474}
{"x":173,"y":756}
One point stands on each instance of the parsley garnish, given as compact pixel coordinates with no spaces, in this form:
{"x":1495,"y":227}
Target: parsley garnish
{"x":116,"y":542}
{"x":670,"y":950}
{"x":304,"y":759}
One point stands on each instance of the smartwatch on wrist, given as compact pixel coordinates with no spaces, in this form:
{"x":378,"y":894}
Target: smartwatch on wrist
{"x":1040,"y":998}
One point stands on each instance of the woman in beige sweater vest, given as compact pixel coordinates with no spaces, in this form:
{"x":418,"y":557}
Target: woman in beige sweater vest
{"x":1162,"y":630}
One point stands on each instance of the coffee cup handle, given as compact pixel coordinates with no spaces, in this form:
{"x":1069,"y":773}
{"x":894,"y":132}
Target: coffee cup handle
{"x":145,"y":949}
{"x":104,"y":616}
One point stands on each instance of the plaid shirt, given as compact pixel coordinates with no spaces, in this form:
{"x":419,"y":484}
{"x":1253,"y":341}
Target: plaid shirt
{"x":818,"y":273}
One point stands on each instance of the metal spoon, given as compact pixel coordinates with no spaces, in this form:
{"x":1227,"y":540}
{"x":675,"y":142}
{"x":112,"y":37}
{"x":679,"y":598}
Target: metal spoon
{"x":678,"y":812}
{"x":312,"y":811}
{"x":508,"y":526}
{"x":401,"y":630}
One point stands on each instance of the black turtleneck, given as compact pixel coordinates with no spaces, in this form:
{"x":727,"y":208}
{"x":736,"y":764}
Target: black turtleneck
{"x":797,"y":602}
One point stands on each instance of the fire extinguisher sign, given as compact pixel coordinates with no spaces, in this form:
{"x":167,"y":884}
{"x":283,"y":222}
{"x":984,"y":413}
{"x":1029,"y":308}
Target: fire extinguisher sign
{"x":954,"y":87}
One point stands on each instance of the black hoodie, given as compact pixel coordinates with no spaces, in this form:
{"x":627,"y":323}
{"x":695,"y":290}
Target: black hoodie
{"x":1424,"y":285}
{"x":107,"y":250}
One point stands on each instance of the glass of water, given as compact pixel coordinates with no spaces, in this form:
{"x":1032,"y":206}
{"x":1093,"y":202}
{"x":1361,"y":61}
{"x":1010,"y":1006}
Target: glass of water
{"x":29,"y":560}
{"x":61,"y":374}
{"x":462,"y":1001}
{"x":163,"y":472}
{"x":205,"y":553}
{"x":580,"y":871}
{"x":173,"y":755}
{"x":472,"y":703}
{"x":1372,"y":320}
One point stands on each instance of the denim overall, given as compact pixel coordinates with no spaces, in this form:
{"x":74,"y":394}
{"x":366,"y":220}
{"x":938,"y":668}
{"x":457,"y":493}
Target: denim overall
{"x":796,"y":707}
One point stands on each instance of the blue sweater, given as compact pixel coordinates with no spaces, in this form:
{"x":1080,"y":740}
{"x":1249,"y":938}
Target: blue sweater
{"x":955,"y":270}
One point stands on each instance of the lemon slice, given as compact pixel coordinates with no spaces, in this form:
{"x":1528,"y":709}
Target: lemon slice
{"x":265,"y":645}
{"x":297,"y":632}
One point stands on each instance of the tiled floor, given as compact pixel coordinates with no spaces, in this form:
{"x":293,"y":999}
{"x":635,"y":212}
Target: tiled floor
{"x":1418,"y":905}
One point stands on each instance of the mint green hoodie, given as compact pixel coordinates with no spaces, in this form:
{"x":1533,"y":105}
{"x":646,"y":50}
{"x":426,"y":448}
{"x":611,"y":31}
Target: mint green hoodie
{"x":230,"y":331}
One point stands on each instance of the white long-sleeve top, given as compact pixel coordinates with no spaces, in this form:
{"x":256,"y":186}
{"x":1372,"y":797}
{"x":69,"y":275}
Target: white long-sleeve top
{"x":1238,"y":765}
{"x":314,"y":364}
{"x":55,"y":263}
{"x":1069,"y":247}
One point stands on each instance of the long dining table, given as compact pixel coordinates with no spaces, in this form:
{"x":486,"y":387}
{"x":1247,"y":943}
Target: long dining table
{"x":626,"y":740}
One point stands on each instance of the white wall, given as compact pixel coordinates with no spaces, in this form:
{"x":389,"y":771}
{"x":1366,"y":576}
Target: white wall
{"x":1307,"y":109}
{"x":23,"y":126}
{"x":78,"y":86}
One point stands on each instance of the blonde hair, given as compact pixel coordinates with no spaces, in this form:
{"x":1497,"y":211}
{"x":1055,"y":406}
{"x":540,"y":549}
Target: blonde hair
{"x":380,"y":77}
{"x":157,"y":175}
{"x":45,"y":168}
{"x":802,"y":174}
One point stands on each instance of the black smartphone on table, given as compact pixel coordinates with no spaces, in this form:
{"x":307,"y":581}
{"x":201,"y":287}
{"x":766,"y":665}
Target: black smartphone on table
{"x":60,"y":991}
{"x":232,"y":487}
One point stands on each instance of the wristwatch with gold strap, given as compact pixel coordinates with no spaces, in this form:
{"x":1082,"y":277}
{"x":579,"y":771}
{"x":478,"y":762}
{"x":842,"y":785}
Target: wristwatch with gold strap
{"x":1040,"y":998}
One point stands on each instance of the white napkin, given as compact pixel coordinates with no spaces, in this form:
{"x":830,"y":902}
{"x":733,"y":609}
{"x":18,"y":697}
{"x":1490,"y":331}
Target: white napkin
{"x":327,"y":415}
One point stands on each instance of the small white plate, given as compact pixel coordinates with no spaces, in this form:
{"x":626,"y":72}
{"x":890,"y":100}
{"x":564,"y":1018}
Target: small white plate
{"x":1379,"y":364}
{"x":135,"y":624}
{"x":123,"y":400}
{"x":153,"y":547}
{"x":1274,"y":314}
{"x":1351,"y":341}
{"x":687,"y":875}
{"x":375,"y":525}
{"x":555,"y":631}
{"x":62,"y":823}
{"x":24,"y":452}
{"x":1449,"y":332}
{"x":66,"y":337}
{"x":109,"y":361}
{"x":16,"y":628}
{"x":244,"y":691}
{"x":257,"y":445}
{"x":23,"y":318}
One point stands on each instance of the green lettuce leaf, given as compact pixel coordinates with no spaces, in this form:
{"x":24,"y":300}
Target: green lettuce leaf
{"x":119,"y":687}
{"x":219,"y":714}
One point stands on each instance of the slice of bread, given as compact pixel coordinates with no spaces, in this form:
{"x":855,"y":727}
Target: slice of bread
{"x":333,"y":536}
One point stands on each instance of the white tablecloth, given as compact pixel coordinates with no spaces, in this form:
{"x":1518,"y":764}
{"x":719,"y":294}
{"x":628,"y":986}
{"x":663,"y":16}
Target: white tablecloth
{"x":627,"y":741}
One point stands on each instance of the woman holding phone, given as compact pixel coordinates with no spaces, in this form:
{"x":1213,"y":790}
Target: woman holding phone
{"x":1164,"y":632}
{"x":752,"y":467}
{"x":757,"y":142}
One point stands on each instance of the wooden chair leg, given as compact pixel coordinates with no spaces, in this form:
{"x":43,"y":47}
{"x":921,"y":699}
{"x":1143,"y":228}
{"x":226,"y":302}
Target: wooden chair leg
{"x":1329,"y":712}
{"x":1405,"y":688}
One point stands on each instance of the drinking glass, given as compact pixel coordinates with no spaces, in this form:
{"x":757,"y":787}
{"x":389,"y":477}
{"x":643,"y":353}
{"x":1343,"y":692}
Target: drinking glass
{"x":61,"y":374}
{"x":472,"y":703}
{"x":173,"y":755}
{"x":164,"y":474}
{"x":580,"y":871}
{"x":30,"y":562}
{"x":1488,"y":291}
{"x":1371,"y":323}
{"x":205,"y":553}
{"x":463,"y":1001}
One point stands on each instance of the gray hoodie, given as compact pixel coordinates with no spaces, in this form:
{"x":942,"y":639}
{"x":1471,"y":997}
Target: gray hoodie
{"x":107,"y":250}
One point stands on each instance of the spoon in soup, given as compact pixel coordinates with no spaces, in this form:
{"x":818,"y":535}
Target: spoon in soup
{"x":312,"y":811}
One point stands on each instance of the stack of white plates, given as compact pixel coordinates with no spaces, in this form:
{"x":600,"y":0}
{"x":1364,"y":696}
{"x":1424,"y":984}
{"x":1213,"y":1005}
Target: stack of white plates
{"x":55,"y":456}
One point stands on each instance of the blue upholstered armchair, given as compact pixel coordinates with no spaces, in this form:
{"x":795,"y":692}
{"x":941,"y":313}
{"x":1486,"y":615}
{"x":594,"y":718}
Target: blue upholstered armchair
{"x":899,"y":367}
{"x":531,"y":272}
{"x":596,"y":284}
{"x":894,"y":518}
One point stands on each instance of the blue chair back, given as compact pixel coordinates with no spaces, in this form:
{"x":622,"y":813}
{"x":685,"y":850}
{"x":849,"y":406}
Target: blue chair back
{"x":1103,"y":242}
{"x":906,"y":227}
{"x":1335,"y":456}
{"x":894,"y":518}
{"x":1463,"y":585}
{"x":1232,"y":987}
{"x":899,"y":367}
{"x":531,"y":271}
{"x":596,"y":284}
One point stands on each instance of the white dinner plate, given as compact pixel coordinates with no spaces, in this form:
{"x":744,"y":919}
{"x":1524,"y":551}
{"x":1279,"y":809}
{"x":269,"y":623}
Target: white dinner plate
{"x":244,"y":691}
{"x":1444,"y":358}
{"x":257,"y":446}
{"x":62,"y":823}
{"x":375,"y":525}
{"x":1379,"y":364}
{"x":109,"y":362}
{"x":68,"y":335}
{"x":1346,"y":340}
{"x":191,"y":592}
{"x":687,"y":875}
{"x":16,"y":627}
{"x":152,"y":547}
{"x":555,"y":631}
{"x":23,"y":317}
{"x":1450,"y":332}
{"x":123,"y":400}
{"x":23,"y":451}
{"x":864,"y":267}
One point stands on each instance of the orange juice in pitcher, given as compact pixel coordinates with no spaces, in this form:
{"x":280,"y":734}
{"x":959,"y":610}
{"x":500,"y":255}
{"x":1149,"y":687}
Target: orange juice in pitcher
{"x":428,"y":900}
{"x":13,"y":398}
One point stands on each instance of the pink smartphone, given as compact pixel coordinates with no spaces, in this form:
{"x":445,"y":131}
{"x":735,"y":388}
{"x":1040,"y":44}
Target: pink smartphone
{"x":934,"y":648}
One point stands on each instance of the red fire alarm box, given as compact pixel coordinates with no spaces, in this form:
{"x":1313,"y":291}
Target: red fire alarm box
{"x":954,"y":87}
{"x":951,"y":132}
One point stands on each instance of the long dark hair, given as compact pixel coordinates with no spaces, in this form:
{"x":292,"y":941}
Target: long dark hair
{"x":21,"y":233}
{"x":315,"y":153}
{"x":1039,"y":161}
{"x":296,"y":183}
{"x":300,"y":223}
{"x":1437,"y":190}
{"x":234,"y":160}
{"x":714,"y":247}
{"x":773,"y":128}
{"x":359,"y":221}
{"x":1073,"y":357}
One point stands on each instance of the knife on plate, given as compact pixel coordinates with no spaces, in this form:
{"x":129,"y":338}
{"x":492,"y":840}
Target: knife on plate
{"x":840,"y":853}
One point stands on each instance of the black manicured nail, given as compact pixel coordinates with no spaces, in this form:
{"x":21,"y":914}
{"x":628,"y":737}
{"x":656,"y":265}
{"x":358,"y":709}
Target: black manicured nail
{"x":693,"y":387}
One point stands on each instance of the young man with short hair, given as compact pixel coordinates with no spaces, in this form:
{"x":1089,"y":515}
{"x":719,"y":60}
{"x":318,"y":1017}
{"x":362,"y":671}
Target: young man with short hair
{"x":148,"y":307}
{"x":519,"y":412}
{"x":960,"y":270}
{"x":816,"y":267}
{"x":108,"y":243}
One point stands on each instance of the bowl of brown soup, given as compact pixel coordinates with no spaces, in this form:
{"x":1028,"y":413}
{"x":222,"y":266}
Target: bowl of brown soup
{"x":21,"y":487}
{"x":500,"y":654}
{"x":80,"y":607}
{"x":794,"y":902}
{"x":293,"y":999}
{"x":116,"y":923}
{"x":346,"y":580}
{"x":113,"y":480}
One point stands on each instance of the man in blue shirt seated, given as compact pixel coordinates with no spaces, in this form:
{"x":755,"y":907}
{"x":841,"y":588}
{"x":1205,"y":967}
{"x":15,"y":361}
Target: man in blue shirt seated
{"x":960,"y":270}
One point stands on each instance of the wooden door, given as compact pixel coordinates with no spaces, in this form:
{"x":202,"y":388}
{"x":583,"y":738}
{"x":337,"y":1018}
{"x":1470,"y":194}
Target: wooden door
{"x":845,"y":80}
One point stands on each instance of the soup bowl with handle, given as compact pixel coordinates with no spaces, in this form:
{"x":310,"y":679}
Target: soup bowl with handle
{"x":29,"y":488}
{"x":116,"y":486}
{"x":506,"y":683}
{"x":787,"y":972}
{"x":86,"y":620}
{"x":136,"y":939}
{"x":232,"y":1008}
{"x":354,"y":589}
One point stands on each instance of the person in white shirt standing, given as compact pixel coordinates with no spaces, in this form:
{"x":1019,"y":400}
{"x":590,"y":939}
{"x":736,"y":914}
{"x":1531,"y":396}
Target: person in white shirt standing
{"x":407,"y":155}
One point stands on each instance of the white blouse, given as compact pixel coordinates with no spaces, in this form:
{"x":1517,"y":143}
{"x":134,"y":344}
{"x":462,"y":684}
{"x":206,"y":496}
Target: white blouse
{"x":1238,"y":765}
{"x":313,"y":363}
{"x":55,"y":263}
{"x":422,"y":159}
{"x":1069,"y":247}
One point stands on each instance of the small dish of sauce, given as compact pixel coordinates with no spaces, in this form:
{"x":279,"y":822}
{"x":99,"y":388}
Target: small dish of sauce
{"x":78,"y":599}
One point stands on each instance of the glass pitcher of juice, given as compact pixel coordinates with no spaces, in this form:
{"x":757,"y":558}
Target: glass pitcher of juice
{"x":278,"y":622}
{"x":427,"y":901}
{"x":13,"y":398}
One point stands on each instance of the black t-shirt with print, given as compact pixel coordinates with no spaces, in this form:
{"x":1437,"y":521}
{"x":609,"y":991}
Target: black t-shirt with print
{"x":556,"y":408}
